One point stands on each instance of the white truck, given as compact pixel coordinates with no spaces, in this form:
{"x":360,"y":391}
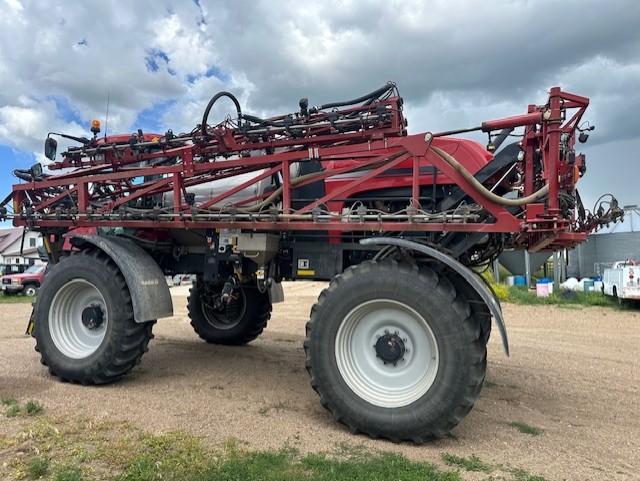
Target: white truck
{"x":622,"y":281}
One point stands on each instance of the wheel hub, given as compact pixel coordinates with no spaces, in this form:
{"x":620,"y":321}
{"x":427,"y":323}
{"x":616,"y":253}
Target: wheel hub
{"x":92,"y":317}
{"x":390,"y":348}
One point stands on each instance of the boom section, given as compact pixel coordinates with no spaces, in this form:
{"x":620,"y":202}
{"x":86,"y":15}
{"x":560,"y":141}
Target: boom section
{"x":350,"y":169}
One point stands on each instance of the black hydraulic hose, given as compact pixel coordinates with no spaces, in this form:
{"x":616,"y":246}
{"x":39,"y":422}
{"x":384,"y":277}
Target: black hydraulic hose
{"x":376,"y":93}
{"x":258,"y":120}
{"x":214,"y":99}
{"x":501,"y":137}
{"x":23,"y":174}
{"x":368,"y":99}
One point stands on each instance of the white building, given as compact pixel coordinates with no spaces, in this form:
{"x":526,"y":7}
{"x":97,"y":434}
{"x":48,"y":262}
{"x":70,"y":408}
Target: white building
{"x":18,"y":246}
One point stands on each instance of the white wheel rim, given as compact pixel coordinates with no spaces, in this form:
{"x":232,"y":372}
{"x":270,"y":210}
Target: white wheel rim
{"x":68,"y":332}
{"x":386,"y":384}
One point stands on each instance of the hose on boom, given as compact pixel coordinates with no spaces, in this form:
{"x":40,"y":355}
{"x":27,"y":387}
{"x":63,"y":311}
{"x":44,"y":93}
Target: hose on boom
{"x":213,"y":100}
{"x":482,"y":190}
{"x":370,"y":96}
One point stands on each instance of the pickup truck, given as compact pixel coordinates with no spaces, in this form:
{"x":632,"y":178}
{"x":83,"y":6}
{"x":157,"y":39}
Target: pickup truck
{"x":622,"y":281}
{"x":26,"y":282}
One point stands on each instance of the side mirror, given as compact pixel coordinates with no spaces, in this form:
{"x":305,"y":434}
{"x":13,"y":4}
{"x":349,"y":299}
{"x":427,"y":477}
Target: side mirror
{"x":50,"y":147}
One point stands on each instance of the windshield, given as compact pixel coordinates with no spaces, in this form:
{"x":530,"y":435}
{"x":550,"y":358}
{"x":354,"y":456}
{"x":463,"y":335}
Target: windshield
{"x":35,"y":269}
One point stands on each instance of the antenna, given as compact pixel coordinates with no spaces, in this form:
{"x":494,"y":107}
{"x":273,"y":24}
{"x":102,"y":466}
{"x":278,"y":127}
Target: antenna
{"x":106,"y":120}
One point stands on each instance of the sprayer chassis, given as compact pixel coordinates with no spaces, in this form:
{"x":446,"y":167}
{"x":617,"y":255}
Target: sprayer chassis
{"x":396,"y":345}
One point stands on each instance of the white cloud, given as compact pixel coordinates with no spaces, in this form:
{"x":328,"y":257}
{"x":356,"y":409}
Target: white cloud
{"x":456,"y":63}
{"x":14,"y":5}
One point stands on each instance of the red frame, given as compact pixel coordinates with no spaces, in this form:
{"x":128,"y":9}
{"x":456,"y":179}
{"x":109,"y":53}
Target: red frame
{"x":382,"y":147}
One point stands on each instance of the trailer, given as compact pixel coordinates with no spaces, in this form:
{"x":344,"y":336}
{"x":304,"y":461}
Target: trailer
{"x":398,"y":223}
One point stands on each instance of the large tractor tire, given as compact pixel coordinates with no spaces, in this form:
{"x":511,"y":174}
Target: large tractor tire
{"x":83,"y":321}
{"x":479,"y":310}
{"x":239,"y":322}
{"x":394,"y":351}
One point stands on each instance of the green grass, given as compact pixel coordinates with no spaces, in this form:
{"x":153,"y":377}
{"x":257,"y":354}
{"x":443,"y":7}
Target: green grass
{"x":469,"y":464}
{"x":72,"y":449}
{"x":522,"y":475}
{"x":70,"y":473}
{"x":37,"y":467}
{"x":525,"y":428}
{"x":15,"y":299}
{"x":31,"y":407}
{"x":13,"y":411}
{"x":567,"y":299}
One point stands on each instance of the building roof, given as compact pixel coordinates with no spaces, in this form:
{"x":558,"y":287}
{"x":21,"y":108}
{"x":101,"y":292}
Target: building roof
{"x":8,"y":237}
{"x":25,"y":252}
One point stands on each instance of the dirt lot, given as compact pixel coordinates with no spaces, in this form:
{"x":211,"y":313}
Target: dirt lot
{"x":573,"y":374}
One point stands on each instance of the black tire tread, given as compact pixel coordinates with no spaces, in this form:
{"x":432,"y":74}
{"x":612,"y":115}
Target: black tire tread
{"x":475,"y":338}
{"x":251,"y":331}
{"x":130,"y":348}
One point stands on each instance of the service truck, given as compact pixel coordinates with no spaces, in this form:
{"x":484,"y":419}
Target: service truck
{"x":622,"y":280}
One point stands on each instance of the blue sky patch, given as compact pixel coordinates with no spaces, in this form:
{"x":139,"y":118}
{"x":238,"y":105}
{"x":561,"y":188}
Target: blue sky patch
{"x":155,"y":58}
{"x":68,"y":113}
{"x":211,"y":72}
{"x":151,"y":120}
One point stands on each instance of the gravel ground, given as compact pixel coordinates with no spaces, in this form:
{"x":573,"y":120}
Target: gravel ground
{"x":573,"y":374}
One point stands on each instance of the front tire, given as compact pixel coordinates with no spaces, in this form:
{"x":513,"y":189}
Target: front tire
{"x":236,"y":323}
{"x":394,"y":351}
{"x":83,"y":321}
{"x":30,"y":290}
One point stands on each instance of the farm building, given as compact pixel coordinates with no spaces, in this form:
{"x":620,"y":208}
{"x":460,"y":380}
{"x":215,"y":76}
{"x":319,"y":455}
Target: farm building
{"x":18,"y":247}
{"x":617,"y":242}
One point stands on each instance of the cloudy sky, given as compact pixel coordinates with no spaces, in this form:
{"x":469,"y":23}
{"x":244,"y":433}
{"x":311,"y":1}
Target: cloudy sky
{"x":456,"y":63}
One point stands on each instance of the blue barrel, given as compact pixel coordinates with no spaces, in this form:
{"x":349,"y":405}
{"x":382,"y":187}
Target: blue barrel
{"x":519,"y":281}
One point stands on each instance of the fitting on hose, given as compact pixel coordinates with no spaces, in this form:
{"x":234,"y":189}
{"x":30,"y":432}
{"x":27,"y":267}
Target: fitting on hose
{"x":227,"y":289}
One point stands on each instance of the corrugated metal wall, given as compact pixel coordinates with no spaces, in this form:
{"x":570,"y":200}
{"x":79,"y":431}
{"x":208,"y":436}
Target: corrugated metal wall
{"x":589,"y":259}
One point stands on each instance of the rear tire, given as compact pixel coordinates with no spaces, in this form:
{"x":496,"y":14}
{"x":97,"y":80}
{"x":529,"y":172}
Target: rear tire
{"x":615,"y":296}
{"x":394,"y":351}
{"x":84,"y":325}
{"x":238,"y":323}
